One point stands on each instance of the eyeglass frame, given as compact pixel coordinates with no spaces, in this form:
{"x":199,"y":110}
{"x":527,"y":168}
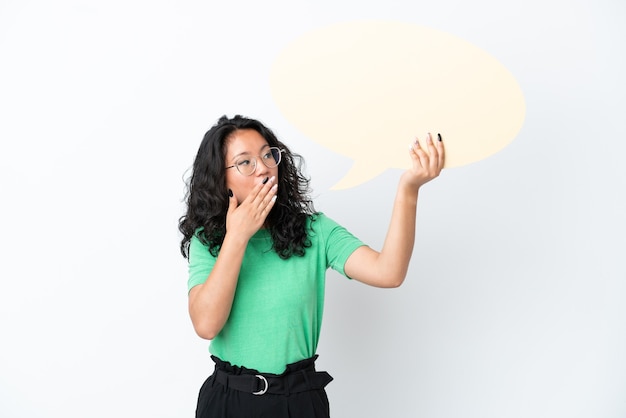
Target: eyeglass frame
{"x":254,"y":158}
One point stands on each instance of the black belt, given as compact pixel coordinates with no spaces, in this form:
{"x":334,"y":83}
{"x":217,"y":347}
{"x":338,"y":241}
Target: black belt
{"x":260,"y":384}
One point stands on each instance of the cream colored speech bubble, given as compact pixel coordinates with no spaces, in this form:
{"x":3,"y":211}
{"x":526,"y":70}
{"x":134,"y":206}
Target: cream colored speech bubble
{"x":367,"y":89}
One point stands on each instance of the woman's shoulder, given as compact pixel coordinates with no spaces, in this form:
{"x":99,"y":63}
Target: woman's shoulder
{"x":319,"y":221}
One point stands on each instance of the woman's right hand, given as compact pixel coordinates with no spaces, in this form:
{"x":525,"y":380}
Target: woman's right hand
{"x":245,"y":219}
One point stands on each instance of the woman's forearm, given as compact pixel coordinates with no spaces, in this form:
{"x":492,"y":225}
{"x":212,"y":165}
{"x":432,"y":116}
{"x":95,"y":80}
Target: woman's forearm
{"x":388,"y":268}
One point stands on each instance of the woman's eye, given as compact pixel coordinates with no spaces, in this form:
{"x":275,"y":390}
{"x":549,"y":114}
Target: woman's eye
{"x":243,"y":163}
{"x":268,"y":156}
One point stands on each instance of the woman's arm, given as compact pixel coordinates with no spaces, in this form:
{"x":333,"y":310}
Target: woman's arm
{"x":210,"y":303}
{"x":388,"y":267}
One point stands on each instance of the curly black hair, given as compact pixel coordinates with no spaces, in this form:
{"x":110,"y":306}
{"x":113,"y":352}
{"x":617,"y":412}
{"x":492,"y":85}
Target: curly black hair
{"x":207,"y":195}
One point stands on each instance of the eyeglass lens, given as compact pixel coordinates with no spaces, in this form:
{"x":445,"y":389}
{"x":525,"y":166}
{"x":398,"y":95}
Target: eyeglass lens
{"x":271,"y":159}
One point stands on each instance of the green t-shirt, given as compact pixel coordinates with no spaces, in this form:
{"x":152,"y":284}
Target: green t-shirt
{"x":276,"y":315}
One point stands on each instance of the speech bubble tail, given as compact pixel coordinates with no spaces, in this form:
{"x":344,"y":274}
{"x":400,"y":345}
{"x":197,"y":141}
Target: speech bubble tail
{"x":359,"y":173}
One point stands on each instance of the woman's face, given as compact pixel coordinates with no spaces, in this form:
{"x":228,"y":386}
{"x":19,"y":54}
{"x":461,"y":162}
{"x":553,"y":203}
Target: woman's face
{"x":246,"y":144}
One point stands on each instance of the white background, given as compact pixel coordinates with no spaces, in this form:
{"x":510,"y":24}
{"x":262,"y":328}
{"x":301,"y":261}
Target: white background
{"x":514,"y":303}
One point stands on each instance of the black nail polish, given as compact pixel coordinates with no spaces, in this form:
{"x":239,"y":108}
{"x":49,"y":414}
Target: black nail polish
{"x":439,"y":136}
{"x":230,"y":193}
{"x":266,"y":179}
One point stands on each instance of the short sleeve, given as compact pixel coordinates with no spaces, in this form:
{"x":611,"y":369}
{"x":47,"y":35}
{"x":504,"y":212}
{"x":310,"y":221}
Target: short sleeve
{"x":201,"y":262}
{"x":339,"y":242}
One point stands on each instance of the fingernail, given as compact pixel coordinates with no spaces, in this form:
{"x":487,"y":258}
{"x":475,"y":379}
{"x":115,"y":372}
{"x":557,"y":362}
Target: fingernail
{"x":230,"y":193}
{"x":430,"y":137}
{"x":266,"y":179}
{"x":439,"y":136}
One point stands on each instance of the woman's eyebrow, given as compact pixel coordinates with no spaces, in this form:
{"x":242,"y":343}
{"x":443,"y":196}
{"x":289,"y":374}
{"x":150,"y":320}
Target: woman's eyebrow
{"x":240,"y":154}
{"x":248,"y":153}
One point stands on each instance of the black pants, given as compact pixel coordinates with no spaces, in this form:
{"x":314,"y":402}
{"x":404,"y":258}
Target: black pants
{"x":216,"y":400}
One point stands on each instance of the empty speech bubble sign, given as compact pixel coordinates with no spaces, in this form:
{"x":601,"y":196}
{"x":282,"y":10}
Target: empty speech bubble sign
{"x":367,"y":89}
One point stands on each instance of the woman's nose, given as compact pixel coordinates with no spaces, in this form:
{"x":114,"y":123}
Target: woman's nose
{"x":261,"y":169}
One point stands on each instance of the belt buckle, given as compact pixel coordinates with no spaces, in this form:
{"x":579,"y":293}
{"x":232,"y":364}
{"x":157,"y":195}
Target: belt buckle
{"x":262,"y":391}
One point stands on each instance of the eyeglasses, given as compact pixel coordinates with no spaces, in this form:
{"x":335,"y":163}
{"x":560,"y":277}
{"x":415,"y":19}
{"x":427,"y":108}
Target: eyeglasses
{"x":247,"y":166}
